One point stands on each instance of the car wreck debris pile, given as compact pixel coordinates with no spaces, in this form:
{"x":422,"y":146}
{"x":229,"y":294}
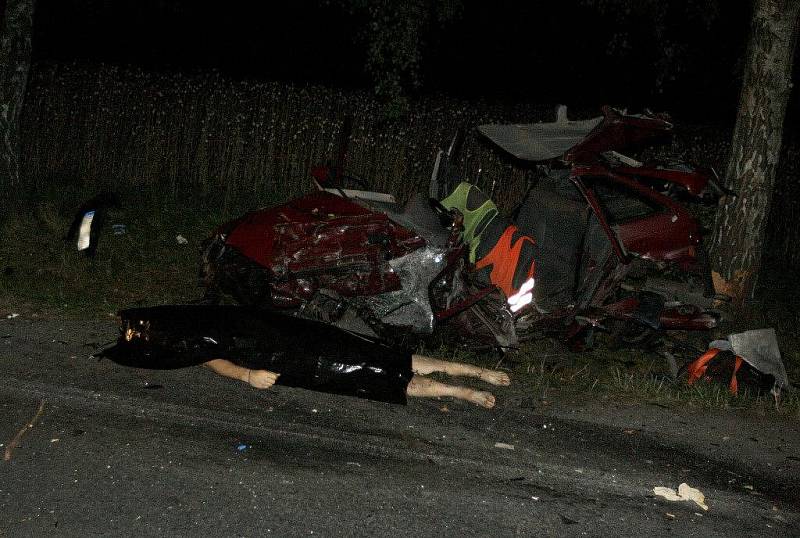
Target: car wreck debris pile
{"x":342,"y":281}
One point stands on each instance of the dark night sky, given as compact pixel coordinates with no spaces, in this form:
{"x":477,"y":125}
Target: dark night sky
{"x":529,"y":51}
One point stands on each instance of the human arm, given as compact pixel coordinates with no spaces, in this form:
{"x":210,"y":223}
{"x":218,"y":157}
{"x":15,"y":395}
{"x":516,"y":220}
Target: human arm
{"x":260,"y":379}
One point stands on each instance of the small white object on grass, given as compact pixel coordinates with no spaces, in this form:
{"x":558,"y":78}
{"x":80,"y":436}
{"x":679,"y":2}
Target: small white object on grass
{"x":85,"y":231}
{"x":504,"y":446}
{"x":181,"y":240}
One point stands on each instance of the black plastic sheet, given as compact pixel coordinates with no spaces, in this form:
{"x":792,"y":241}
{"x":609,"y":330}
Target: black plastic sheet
{"x":307,"y":354}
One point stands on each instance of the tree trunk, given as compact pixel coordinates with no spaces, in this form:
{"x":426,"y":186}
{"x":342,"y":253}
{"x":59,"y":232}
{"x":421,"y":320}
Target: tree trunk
{"x":15,"y":61}
{"x":740,"y":226}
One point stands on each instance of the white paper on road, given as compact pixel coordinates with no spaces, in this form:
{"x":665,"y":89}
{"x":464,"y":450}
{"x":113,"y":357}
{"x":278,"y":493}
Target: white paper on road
{"x":685,"y":493}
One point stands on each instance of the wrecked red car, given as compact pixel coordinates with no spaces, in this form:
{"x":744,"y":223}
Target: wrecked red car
{"x":447,"y":259}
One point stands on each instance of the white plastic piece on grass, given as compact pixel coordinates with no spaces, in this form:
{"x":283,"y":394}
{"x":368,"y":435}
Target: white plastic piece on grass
{"x":685,"y":493}
{"x":504,"y":446}
{"x":84,"y":234}
{"x":181,"y":240}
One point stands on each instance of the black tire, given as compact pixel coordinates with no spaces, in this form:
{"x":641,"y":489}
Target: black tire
{"x":631,"y":334}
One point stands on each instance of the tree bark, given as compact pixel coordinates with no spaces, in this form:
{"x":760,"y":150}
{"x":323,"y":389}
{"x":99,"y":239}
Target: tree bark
{"x":15,"y":61}
{"x":740,"y":226}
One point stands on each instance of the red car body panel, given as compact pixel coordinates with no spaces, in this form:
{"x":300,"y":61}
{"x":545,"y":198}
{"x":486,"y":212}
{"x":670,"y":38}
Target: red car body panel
{"x":687,"y":318}
{"x":670,"y":235}
{"x":694,"y":180}
{"x":323,"y":240}
{"x":617,"y":131}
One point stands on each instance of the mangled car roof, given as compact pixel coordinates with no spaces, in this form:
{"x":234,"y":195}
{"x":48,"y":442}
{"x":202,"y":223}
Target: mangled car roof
{"x":540,"y":141}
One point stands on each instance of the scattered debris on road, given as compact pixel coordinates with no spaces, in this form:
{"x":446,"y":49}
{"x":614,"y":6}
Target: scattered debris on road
{"x":21,"y":433}
{"x":685,"y":493}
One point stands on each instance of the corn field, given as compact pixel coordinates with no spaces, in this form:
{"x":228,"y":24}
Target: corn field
{"x":198,"y":135}
{"x":194,"y":135}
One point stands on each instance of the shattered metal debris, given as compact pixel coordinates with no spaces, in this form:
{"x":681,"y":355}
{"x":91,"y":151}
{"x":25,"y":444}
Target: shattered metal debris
{"x":365,"y":264}
{"x":759,"y":348}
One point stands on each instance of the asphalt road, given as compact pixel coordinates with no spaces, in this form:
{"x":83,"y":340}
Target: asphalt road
{"x":132,"y":452}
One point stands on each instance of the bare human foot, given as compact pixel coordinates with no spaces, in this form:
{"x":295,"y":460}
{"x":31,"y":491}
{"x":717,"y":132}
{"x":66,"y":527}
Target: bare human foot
{"x":495,"y":377}
{"x":424,"y":387}
{"x":423,"y":365}
{"x":483,"y":399}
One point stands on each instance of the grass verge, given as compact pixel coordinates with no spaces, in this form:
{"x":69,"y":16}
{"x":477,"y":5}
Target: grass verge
{"x":41,"y":273}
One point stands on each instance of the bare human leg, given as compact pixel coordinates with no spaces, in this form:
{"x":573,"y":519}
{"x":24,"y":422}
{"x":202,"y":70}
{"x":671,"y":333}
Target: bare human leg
{"x":423,"y":387}
{"x":260,"y":379}
{"x":423,"y":365}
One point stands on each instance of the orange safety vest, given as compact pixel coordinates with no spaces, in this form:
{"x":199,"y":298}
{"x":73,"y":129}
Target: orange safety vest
{"x":697,"y":369}
{"x":504,"y":259}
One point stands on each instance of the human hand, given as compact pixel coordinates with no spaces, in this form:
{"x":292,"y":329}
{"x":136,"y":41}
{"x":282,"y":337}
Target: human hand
{"x":261,"y":379}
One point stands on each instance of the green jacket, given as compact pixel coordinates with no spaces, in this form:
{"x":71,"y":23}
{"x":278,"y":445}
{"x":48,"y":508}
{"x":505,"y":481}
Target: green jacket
{"x":478,"y":210}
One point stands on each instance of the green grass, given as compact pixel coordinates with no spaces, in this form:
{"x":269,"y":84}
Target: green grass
{"x":545,"y":372}
{"x":42,"y":273}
